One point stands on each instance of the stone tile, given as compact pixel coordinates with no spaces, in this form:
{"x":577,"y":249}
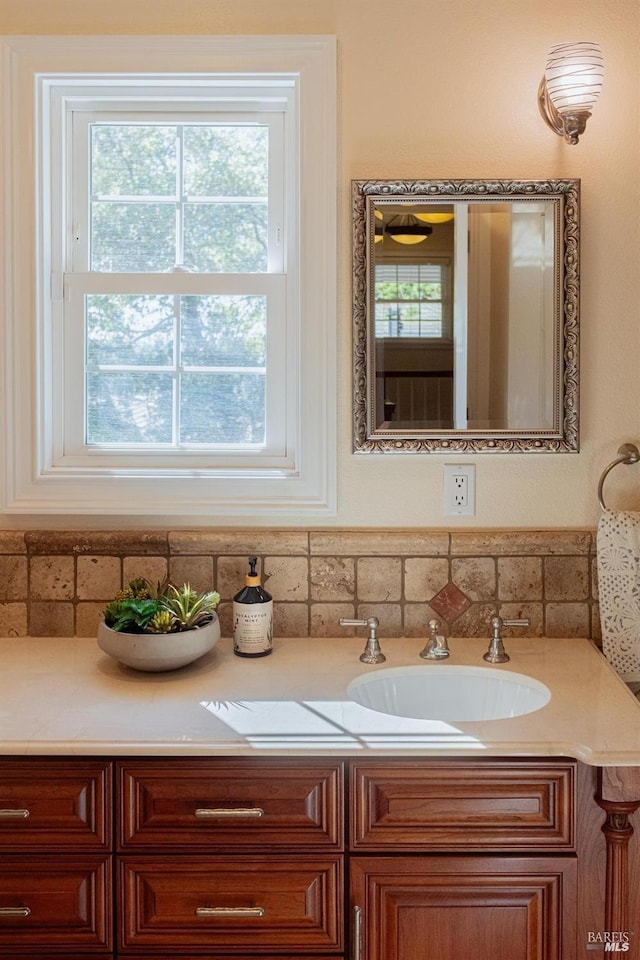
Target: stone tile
{"x":225,"y":616}
{"x":474,"y":622}
{"x":533,"y":612}
{"x":110,"y":542}
{"x":475,"y":576}
{"x":566,"y":578}
{"x":198,"y":571}
{"x":450,"y":603}
{"x":520,"y":578}
{"x":153,"y":569}
{"x":567,"y":620}
{"x":389,"y":615}
{"x":416,"y":620}
{"x":246,"y":543}
{"x":50,"y":619}
{"x":325,"y":619}
{"x":13,"y":578}
{"x":362,"y":543}
{"x":98,"y":578}
{"x":379,"y":579}
{"x":88,"y":616}
{"x":287,"y":578}
{"x":596,"y":626}
{"x":519,"y":542}
{"x":12,"y":541}
{"x":13,"y":620}
{"x":333,"y":578}
{"x":291,"y":620}
{"x":424,"y":577}
{"x":51,"y":578}
{"x":231,"y":572}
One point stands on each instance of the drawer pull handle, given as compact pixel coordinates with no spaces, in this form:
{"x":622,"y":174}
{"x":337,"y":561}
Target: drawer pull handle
{"x":229,"y":911}
{"x":14,"y":911}
{"x":19,"y":814}
{"x":249,"y":813}
{"x":356,"y":951}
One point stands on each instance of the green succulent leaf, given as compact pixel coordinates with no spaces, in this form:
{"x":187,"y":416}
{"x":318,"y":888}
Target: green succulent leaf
{"x":142,"y":607}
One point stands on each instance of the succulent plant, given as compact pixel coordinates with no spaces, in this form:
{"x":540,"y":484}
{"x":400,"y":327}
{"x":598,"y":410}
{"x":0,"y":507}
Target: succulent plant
{"x":142,"y":607}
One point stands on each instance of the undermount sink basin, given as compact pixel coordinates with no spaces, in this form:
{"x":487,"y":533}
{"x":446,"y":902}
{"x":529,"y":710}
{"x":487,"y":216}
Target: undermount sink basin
{"x":449,"y":693}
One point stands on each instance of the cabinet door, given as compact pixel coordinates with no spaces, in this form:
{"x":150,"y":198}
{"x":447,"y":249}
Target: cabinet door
{"x":220,"y":905}
{"x":505,"y":908}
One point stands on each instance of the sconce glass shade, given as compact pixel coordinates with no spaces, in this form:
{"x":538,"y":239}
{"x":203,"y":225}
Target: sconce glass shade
{"x":570,"y":87}
{"x":434,"y":217}
{"x":378,"y":237}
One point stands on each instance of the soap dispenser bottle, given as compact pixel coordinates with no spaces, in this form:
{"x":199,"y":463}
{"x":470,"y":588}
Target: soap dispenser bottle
{"x":252,"y":617}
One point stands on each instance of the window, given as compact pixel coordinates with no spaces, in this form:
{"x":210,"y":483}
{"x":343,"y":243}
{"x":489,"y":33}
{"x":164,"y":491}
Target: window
{"x":181,"y":310}
{"x":163,"y":215}
{"x":414,"y":300}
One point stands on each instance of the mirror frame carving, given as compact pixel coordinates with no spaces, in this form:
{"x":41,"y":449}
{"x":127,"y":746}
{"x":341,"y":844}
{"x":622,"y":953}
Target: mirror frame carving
{"x":565,"y":438}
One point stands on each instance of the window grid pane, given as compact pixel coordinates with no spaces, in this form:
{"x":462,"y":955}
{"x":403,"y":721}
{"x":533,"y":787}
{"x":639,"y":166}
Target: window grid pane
{"x":178,"y":371}
{"x":411,"y":300}
{"x":179,"y":195}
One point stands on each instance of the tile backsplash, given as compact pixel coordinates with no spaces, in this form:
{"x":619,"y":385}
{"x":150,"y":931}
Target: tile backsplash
{"x":57,"y":583}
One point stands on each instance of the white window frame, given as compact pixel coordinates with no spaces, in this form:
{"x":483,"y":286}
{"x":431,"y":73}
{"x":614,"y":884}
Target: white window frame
{"x":297,"y":478}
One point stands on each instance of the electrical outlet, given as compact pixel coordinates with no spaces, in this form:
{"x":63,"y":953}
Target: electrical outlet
{"x":459,"y":489}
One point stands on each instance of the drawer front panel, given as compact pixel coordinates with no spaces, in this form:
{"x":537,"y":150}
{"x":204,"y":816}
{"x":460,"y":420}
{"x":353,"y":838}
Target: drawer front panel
{"x":498,"y":805}
{"x":214,"y":905}
{"x":236,"y":803}
{"x":55,"y":803}
{"x":55,"y":902}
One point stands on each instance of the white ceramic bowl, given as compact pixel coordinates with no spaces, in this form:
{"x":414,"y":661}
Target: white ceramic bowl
{"x":160,"y":651}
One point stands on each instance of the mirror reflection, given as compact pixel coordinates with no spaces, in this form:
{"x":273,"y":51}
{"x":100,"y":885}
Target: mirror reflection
{"x":465,"y":315}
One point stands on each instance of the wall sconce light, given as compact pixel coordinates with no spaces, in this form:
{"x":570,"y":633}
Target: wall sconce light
{"x":570,"y":87}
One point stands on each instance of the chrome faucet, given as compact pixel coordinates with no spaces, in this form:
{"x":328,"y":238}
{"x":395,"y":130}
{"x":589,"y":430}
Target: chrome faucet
{"x":372,"y":652}
{"x":496,"y":652}
{"x":436,"y":647}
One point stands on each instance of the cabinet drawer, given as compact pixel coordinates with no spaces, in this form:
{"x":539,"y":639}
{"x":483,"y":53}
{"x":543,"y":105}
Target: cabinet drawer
{"x":55,"y":902}
{"x":215,"y":804}
{"x":55,"y":804}
{"x":498,"y":805}
{"x":215,"y":905}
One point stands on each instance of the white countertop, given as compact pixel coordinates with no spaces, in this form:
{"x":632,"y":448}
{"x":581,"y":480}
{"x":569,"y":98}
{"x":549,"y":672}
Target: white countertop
{"x":64,"y":696}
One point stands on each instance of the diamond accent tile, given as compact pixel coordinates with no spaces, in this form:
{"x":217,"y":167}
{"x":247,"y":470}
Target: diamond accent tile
{"x":450,"y":602}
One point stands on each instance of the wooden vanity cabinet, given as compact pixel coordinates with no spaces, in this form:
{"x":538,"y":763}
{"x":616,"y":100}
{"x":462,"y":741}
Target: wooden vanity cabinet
{"x":488,"y":865}
{"x":55,"y":858}
{"x":240,"y":858}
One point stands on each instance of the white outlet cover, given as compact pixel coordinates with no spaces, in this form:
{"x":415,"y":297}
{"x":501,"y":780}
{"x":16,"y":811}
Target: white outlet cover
{"x":459,"y":489}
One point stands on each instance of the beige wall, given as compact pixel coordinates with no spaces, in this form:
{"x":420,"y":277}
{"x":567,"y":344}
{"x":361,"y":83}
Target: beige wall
{"x":447,"y":88}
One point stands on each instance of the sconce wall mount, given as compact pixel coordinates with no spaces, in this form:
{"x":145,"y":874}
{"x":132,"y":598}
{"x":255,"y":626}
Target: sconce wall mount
{"x":570,"y":86}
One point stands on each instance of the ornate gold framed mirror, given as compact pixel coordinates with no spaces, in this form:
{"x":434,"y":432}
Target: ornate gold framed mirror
{"x":465,"y":315}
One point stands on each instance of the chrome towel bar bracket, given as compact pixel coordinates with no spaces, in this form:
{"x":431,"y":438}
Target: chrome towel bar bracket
{"x":627,"y":453}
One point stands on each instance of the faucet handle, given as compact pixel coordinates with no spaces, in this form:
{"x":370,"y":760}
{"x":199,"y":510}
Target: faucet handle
{"x":372,"y":652}
{"x":496,"y":652}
